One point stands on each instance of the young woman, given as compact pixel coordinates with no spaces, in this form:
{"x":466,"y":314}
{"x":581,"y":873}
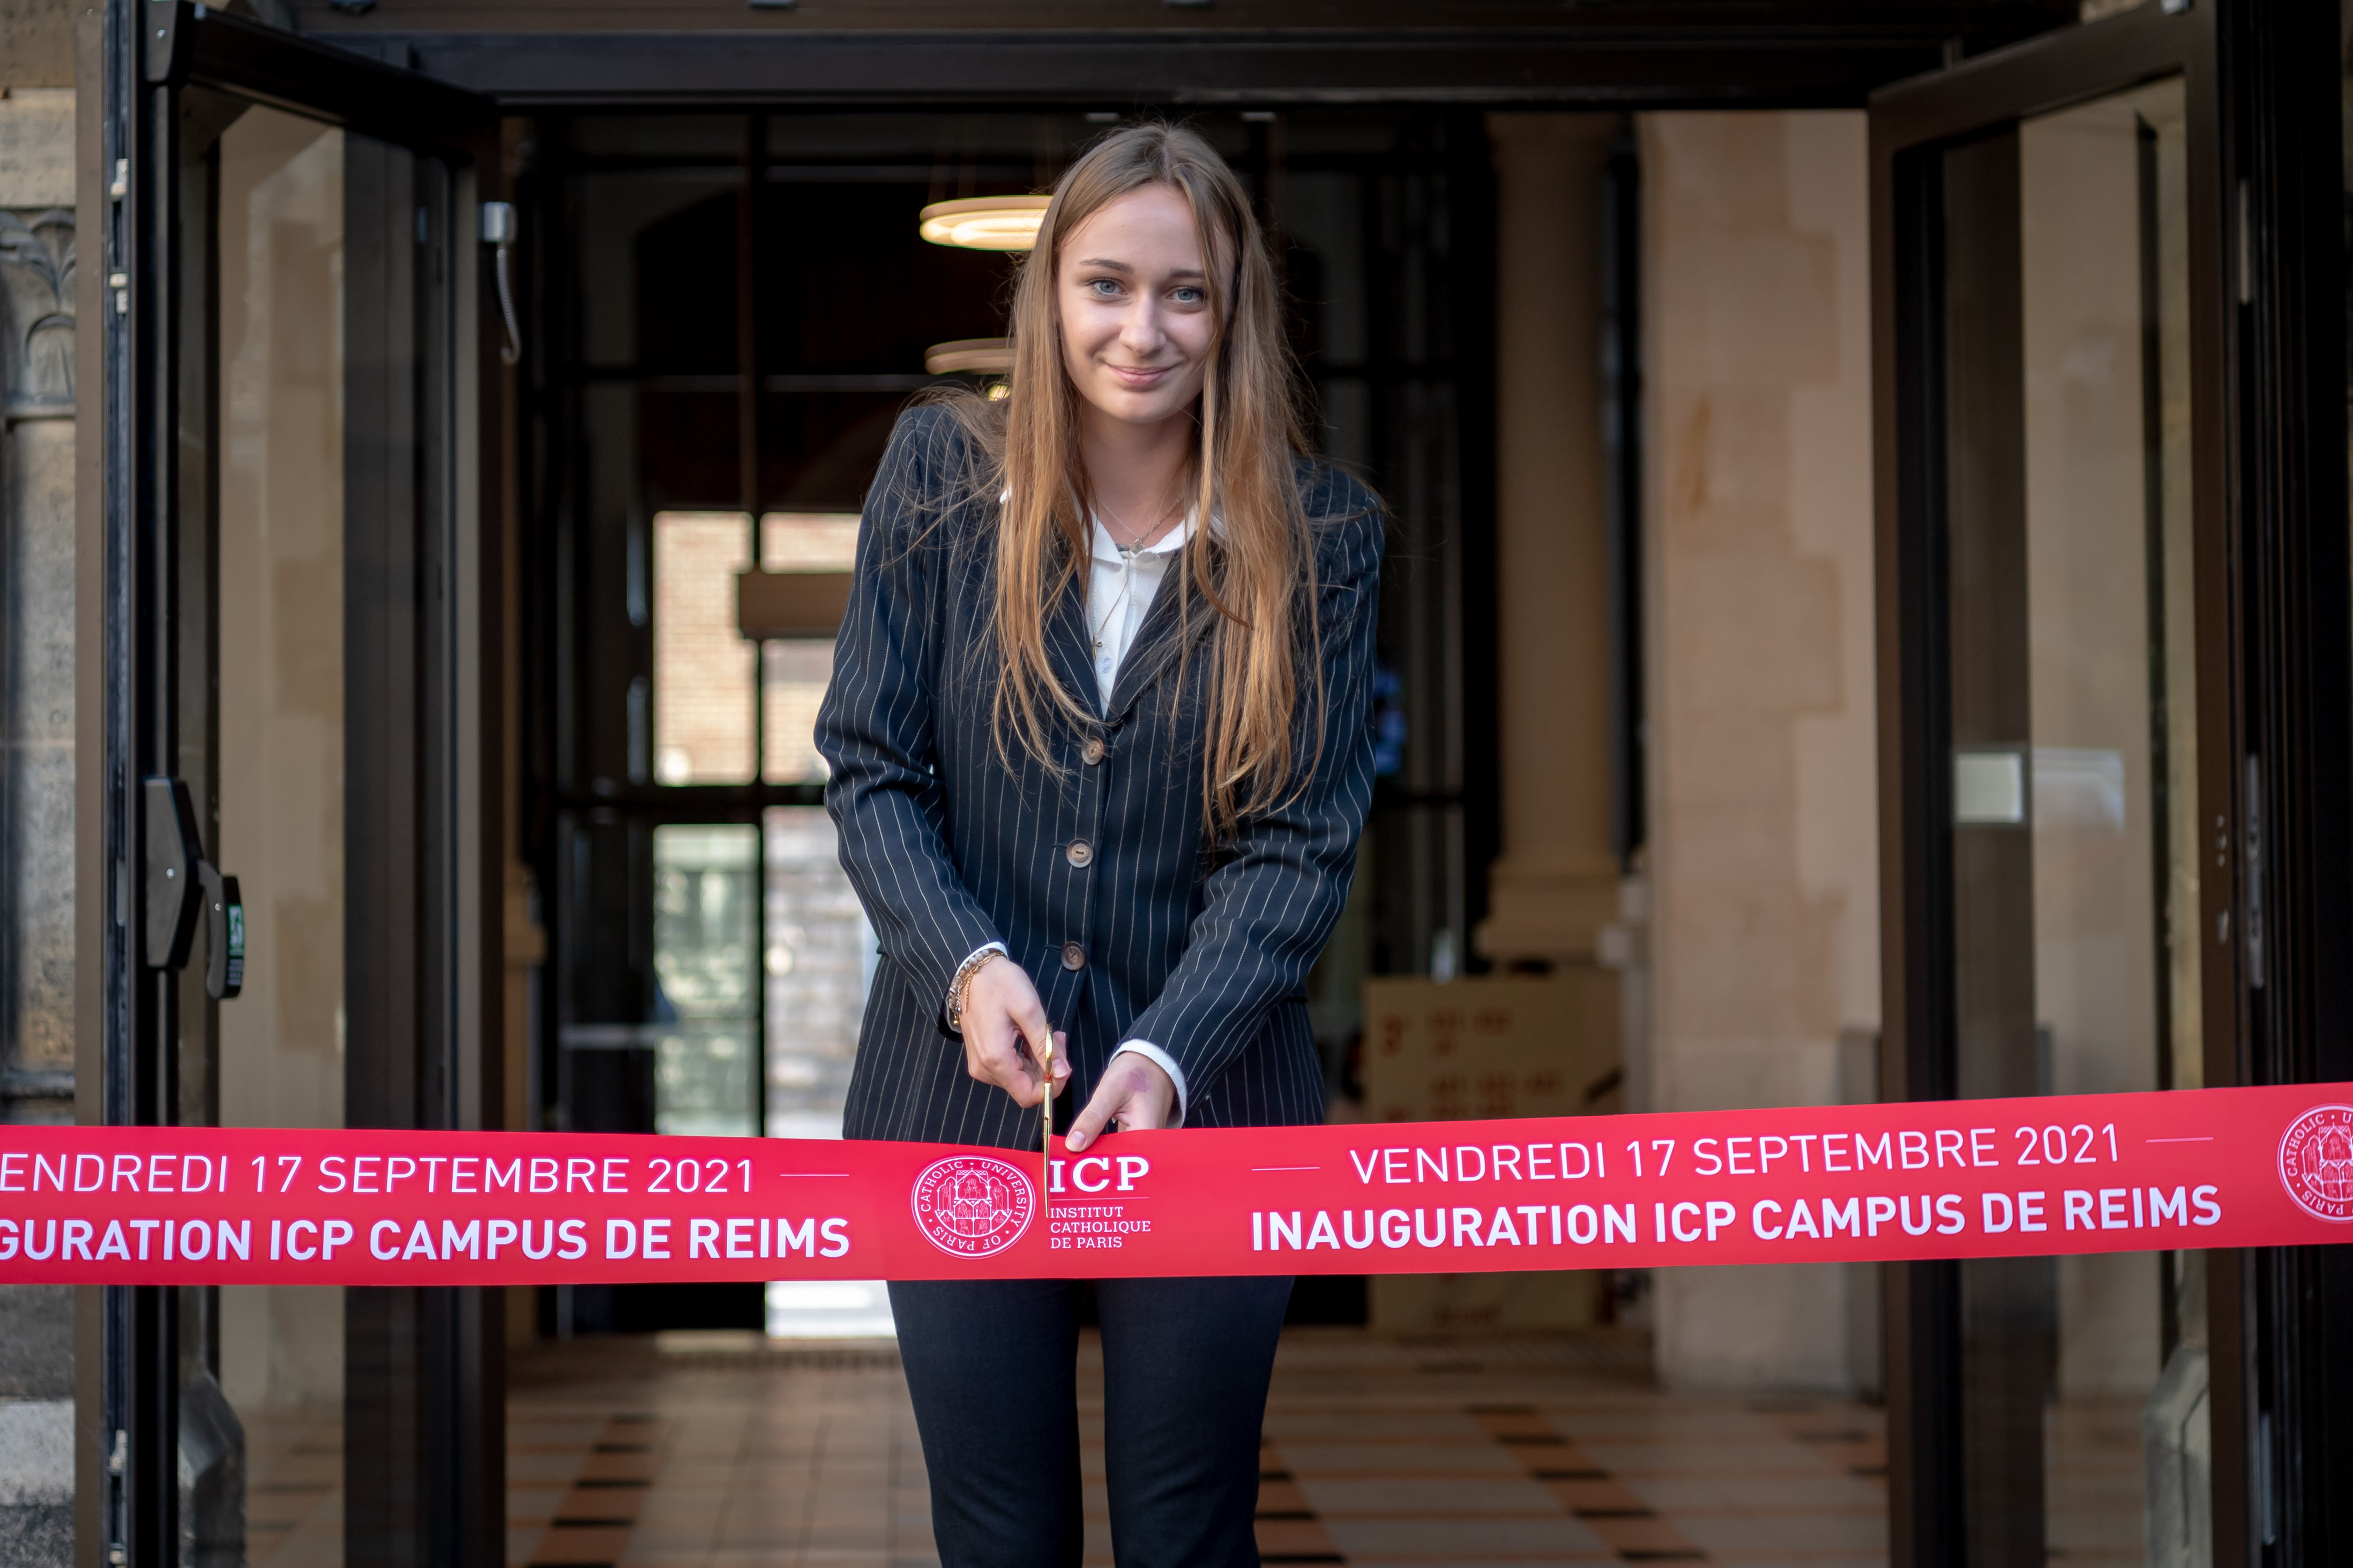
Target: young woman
{"x":1098,"y":736}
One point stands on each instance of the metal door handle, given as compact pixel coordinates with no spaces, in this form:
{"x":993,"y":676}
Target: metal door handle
{"x":182,"y":885}
{"x":498,"y":230}
{"x":224,"y":933}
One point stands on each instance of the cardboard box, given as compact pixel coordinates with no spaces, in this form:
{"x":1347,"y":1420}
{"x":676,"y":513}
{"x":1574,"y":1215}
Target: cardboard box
{"x":1490,"y":1046}
{"x":1504,"y":1046}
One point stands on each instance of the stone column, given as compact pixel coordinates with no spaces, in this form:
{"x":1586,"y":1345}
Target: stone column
{"x":1555,"y":885}
{"x":36,"y":776}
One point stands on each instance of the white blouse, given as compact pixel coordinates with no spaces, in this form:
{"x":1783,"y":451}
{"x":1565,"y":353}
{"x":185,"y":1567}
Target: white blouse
{"x":1120,"y":587}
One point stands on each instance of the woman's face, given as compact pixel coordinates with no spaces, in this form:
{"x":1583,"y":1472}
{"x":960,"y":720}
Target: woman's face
{"x":1133,"y":293}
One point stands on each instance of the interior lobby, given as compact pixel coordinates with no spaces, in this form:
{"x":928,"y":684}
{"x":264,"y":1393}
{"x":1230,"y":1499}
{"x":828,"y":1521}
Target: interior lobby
{"x":1848,"y":533}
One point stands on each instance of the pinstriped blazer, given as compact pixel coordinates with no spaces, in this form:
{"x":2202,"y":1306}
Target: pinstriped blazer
{"x":1142,"y":934}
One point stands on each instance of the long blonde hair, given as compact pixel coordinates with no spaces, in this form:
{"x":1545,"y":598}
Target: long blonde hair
{"x":1254,"y":573}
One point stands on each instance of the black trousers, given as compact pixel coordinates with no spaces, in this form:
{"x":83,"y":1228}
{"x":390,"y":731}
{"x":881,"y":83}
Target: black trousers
{"x":993,"y":1367}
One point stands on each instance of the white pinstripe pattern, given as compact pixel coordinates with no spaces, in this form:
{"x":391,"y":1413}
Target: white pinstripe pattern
{"x":950,"y":850}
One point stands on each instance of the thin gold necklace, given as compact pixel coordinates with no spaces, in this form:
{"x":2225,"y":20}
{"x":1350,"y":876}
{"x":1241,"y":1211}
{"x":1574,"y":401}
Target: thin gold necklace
{"x":1127,"y":554}
{"x":1134,"y":540}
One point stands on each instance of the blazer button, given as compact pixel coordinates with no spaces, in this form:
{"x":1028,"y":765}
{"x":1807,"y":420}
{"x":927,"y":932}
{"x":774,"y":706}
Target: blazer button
{"x":1080,"y":853}
{"x":1073,"y":956}
{"x":1092,"y":750}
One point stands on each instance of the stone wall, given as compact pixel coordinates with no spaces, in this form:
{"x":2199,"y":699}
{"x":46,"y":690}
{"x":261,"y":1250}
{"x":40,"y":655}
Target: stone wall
{"x":37,"y":567}
{"x":36,"y":757}
{"x":36,"y":43}
{"x":1763,"y":782}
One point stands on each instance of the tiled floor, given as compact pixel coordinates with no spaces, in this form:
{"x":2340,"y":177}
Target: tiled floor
{"x":714,"y":1450}
{"x":719,"y":1450}
{"x":1554,"y":1452}
{"x":294,"y":1487}
{"x":2098,"y":1479}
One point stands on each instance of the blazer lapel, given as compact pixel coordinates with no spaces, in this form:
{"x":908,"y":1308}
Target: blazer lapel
{"x":1157,"y":644}
{"x":1069,"y":649}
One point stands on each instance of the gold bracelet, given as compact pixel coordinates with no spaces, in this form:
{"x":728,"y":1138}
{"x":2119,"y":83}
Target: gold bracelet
{"x":962,"y":983}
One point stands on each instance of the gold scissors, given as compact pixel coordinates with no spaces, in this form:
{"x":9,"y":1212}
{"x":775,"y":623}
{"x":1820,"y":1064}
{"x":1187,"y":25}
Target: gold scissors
{"x":1046,"y":1105}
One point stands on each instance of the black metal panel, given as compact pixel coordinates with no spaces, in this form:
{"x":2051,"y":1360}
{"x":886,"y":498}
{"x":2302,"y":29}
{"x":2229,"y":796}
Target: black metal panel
{"x":1921,"y":1300}
{"x":1471,"y":273}
{"x":139,"y":1398}
{"x":1662,"y":65}
{"x":1980,"y":22}
{"x":393,"y":1035}
{"x":423,"y":1444}
{"x":1622,"y":427}
{"x":2297,"y":874}
{"x":2038,"y":76}
{"x":191,"y":45}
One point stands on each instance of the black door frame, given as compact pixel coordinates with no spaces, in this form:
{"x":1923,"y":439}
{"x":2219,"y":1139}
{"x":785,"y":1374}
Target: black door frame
{"x":425,"y":1464}
{"x":2267,"y":347}
{"x":1010,"y":53}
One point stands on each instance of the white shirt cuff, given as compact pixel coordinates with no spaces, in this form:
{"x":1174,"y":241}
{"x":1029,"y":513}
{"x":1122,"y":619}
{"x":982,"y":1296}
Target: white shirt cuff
{"x":1166,"y":1064}
{"x":947,"y":1001}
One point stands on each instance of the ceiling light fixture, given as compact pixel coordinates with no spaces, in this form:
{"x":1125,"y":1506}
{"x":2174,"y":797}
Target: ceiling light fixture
{"x":986,"y":223}
{"x":984,"y":356}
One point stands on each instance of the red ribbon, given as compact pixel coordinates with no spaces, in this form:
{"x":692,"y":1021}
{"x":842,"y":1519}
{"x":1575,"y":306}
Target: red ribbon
{"x":2108,"y":1173}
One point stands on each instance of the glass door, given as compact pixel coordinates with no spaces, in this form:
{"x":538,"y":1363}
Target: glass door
{"x":2072,"y":688}
{"x":2107,"y":332}
{"x":299,"y":599}
{"x":264,"y":754}
{"x":2051,"y":561}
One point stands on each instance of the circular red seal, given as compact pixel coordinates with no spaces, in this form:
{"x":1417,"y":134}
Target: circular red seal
{"x":970,"y":1205}
{"x":2315,"y":1161}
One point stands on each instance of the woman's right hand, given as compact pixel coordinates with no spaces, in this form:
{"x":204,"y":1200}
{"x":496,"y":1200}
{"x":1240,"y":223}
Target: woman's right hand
{"x":1004,"y":1032}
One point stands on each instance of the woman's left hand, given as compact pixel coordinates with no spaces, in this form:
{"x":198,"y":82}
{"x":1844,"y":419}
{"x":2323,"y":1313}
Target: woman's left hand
{"x":1133,"y":1092}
